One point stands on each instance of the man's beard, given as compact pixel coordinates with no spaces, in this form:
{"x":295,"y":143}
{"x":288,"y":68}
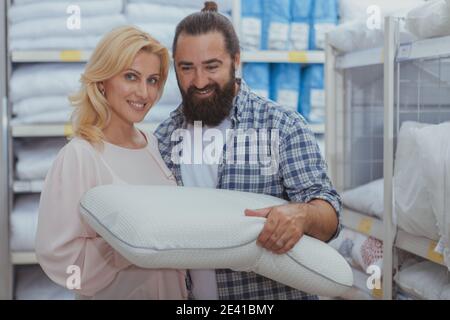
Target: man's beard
{"x":212,"y":110}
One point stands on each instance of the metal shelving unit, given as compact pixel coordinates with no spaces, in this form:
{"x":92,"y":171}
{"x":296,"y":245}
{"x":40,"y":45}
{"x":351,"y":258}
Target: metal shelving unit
{"x":6,"y":269}
{"x":339,"y":127}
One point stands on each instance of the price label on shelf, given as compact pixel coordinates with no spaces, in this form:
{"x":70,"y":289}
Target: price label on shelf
{"x":68,"y":130}
{"x":404,"y":51}
{"x":434,"y":256}
{"x":377,"y":293}
{"x":298,"y":56}
{"x":365,"y":225}
{"x":70,"y":55}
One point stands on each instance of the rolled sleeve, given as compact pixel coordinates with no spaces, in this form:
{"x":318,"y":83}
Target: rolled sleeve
{"x":304,"y":170}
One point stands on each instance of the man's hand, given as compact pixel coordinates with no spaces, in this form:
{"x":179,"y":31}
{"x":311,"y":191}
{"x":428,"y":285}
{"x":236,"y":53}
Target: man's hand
{"x":284,"y":227}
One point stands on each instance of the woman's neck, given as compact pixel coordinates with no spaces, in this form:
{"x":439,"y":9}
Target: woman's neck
{"x":125,"y":135}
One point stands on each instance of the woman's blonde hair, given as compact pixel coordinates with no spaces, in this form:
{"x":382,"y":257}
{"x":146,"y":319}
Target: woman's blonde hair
{"x":113,"y":54}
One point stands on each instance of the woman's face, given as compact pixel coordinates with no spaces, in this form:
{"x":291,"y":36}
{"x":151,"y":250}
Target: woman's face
{"x":131,"y":93}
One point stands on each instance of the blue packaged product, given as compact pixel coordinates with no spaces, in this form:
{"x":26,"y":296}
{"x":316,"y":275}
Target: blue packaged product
{"x":285,"y":84}
{"x":257,"y":77}
{"x":324,"y":19}
{"x":299,"y":30}
{"x":251,"y":24}
{"x":312,"y":105}
{"x":277,"y":15}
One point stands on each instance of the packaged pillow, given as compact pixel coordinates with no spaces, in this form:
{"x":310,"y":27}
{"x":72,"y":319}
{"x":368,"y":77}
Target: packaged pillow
{"x":366,"y":199}
{"x":412,"y":207}
{"x":431,"y":19}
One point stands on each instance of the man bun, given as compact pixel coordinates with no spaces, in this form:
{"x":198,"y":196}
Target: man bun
{"x":210,"y":6}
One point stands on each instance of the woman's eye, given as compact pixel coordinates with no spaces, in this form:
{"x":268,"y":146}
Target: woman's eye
{"x":130,"y":76}
{"x":153,"y":80}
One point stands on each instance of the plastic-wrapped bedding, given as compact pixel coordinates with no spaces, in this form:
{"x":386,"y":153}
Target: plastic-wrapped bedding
{"x":431,"y":19}
{"x":55,"y":43}
{"x":34,"y":105}
{"x":35,"y":157}
{"x":57,"y":27}
{"x":224,"y":5}
{"x":44,"y":79}
{"x":207,"y":229}
{"x":434,"y":158}
{"x":359,"y":250}
{"x":366,"y":199}
{"x":350,"y":10}
{"x":45,"y":9}
{"x":424,"y":280}
{"x":23,"y":222}
{"x":412,"y":207}
{"x":355,"y":36}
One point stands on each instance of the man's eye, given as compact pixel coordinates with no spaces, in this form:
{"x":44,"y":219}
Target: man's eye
{"x":130,"y":76}
{"x":186,"y":68}
{"x":212,"y":67}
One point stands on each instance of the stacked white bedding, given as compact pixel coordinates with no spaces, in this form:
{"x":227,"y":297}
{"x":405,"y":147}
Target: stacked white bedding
{"x":35,"y":157}
{"x":362,"y":23}
{"x":23,"y":223}
{"x":422,"y":182}
{"x":431,"y":19}
{"x":39,"y":92}
{"x":40,"y":25}
{"x":421,"y":185}
{"x":160,"y":18}
{"x":224,"y":5}
{"x":32,"y":284}
{"x":424,"y":280}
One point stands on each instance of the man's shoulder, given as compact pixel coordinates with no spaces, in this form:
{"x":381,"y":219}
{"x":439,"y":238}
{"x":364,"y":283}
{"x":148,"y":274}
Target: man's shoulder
{"x":166,"y":128}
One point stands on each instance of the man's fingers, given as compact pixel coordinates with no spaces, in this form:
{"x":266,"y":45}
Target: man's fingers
{"x":267,"y":232}
{"x":257,"y":212}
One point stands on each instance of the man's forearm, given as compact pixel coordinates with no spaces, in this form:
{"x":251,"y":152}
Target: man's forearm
{"x":321,"y":219}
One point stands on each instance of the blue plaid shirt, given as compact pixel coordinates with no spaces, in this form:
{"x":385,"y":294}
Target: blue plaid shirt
{"x":301,"y":177}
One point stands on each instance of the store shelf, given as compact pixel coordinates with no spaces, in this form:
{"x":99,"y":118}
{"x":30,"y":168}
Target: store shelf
{"x":23,"y":258}
{"x":362,"y":223}
{"x":60,"y":130}
{"x":50,"y":56}
{"x":360,"y":58}
{"x":33,"y":186}
{"x":284,"y":56}
{"x":420,"y":246}
{"x":428,"y":48}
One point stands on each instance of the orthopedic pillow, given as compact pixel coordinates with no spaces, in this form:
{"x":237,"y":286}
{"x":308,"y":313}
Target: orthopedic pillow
{"x":200,"y":228}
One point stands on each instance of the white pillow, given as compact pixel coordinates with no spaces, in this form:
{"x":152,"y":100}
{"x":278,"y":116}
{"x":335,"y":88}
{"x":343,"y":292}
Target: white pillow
{"x":432,"y":19}
{"x":350,"y":10}
{"x":202,"y":228}
{"x":425,"y":280}
{"x":435,"y":166}
{"x":411,"y":202}
{"x":367,"y":199}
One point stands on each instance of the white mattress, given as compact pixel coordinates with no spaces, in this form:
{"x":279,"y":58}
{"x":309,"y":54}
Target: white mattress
{"x":23,"y":223}
{"x":200,"y":228}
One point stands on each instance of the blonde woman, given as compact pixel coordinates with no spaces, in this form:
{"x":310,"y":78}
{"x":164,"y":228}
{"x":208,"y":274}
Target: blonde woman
{"x":122,"y":81}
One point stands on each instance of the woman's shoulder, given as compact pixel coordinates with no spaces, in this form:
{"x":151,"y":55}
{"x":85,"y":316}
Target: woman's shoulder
{"x":77,"y":149}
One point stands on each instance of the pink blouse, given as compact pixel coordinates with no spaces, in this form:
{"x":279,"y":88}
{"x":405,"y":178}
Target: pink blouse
{"x":63,"y":239}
